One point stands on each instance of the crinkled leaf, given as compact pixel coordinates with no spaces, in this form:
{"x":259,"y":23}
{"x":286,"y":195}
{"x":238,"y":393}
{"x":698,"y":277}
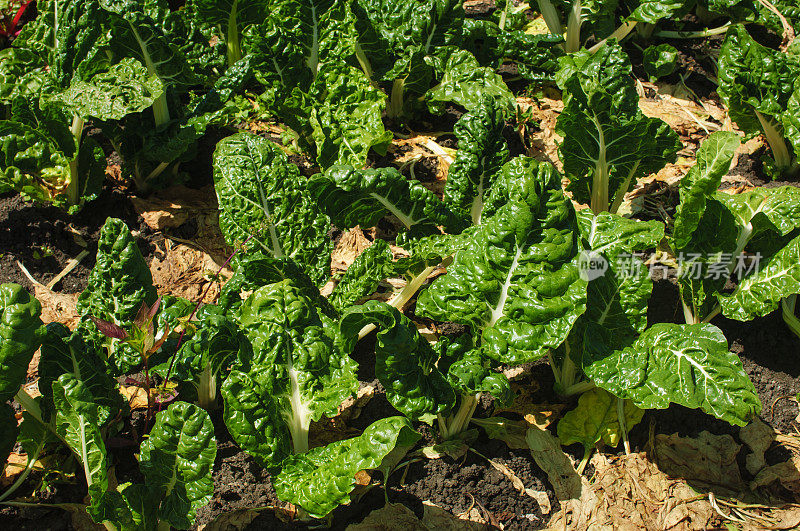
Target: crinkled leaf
{"x":713,"y":162}
{"x":362,"y":197}
{"x":346,"y":118}
{"x":754,"y":78}
{"x":759,"y":293}
{"x":608,"y":142}
{"x":469,"y":371}
{"x":465,"y":83}
{"x":118,"y":285}
{"x":516,"y":281}
{"x":370,"y":267}
{"x":659,"y":60}
{"x":405,"y":362}
{"x":21,"y":333}
{"x":125,"y":88}
{"x":616,"y":306}
{"x":322,"y":479}
{"x":63,"y":353}
{"x":688,"y":365}
{"x":481,"y":151}
{"x":79,"y":422}
{"x":299,"y":372}
{"x":177,"y":460}
{"x":264,"y":199}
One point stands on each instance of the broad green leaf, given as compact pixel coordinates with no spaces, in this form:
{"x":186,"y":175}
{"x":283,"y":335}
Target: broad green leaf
{"x":714,"y":159}
{"x":774,"y":210}
{"x":255,"y":270}
{"x":123,"y":89}
{"x":405,"y":362}
{"x":659,"y":60}
{"x":516,"y":281}
{"x":653,"y":11}
{"x":596,"y":418}
{"x":233,"y":17}
{"x":322,"y":479}
{"x":481,"y":151}
{"x":21,"y":333}
{"x":754,"y":78}
{"x":774,"y":277}
{"x":608,"y":142}
{"x":688,"y":365}
{"x":22,"y":74}
{"x":79,"y":422}
{"x":469,"y":371}
{"x":346,"y":117}
{"x":32,"y":163}
{"x":62,"y":353}
{"x":177,"y":460}
{"x":118,"y":285}
{"x":299,"y":372}
{"x":264,"y":201}
{"x":362,"y":197}
{"x":617,"y":299}
{"x":370,"y":267}
{"x":465,"y":83}
{"x":135,"y":34}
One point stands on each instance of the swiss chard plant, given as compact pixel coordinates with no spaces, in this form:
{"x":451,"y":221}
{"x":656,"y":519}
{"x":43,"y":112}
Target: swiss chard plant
{"x":758,"y":86}
{"x":608,"y":142}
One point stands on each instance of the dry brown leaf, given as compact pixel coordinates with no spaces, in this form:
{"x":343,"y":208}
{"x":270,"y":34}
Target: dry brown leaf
{"x":136,"y":395}
{"x":231,"y":521}
{"x":536,"y":414}
{"x":351,"y":244}
{"x":174,"y":206}
{"x":707,"y":459}
{"x":631,"y":493}
{"x":544,"y":141}
{"x":435,"y":518}
{"x":759,"y":437}
{"x":187,"y":272}
{"x":546,"y":451}
{"x":390,"y":517}
{"x":15,"y":465}
{"x":57,"y":307}
{"x":787,"y":473}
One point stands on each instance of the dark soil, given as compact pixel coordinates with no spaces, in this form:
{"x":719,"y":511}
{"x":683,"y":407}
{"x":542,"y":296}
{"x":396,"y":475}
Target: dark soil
{"x":44,"y":239}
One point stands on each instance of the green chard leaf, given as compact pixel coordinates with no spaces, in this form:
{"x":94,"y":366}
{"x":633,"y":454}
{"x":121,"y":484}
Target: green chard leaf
{"x":405,"y":362}
{"x":234,"y":17}
{"x":265,"y":202}
{"x":177,"y":460}
{"x":465,"y":83}
{"x":362,"y":277}
{"x":617,"y":299}
{"x":322,"y":479}
{"x":362,"y":197}
{"x":608,"y":142}
{"x":482,"y":150}
{"x":714,"y":159}
{"x":118,"y":285}
{"x":299,"y":372}
{"x":660,"y":61}
{"x":21,"y":333}
{"x":346,"y":121}
{"x":469,"y":371}
{"x":79,"y":421}
{"x":63,"y":353}
{"x":688,"y":365}
{"x":516,"y":281}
